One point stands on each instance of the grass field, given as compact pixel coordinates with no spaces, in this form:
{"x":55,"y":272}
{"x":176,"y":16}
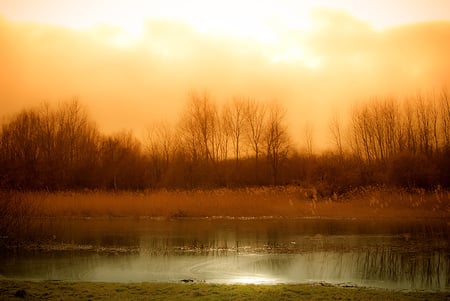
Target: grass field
{"x":60,"y":290}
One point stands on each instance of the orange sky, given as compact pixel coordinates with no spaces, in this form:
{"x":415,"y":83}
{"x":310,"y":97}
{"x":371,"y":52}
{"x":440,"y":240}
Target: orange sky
{"x":134,"y":62}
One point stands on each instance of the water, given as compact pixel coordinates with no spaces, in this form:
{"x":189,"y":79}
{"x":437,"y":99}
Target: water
{"x":378,"y":253}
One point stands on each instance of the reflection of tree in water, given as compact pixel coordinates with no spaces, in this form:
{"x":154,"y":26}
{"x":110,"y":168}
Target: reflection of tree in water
{"x":115,"y":240}
{"x":426,"y":270}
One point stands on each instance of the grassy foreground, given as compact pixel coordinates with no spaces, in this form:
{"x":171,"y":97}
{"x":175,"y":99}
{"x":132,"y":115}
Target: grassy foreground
{"x":60,"y":290}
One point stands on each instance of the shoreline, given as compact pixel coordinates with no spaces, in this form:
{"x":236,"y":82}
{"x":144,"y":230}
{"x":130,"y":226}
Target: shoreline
{"x":380,"y":218}
{"x":67,"y":290}
{"x":25,"y":215}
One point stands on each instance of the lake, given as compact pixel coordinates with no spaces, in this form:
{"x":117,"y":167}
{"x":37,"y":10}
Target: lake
{"x":401,"y":255}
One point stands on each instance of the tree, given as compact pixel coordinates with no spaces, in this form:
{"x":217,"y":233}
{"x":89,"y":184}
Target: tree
{"x":122,"y":163}
{"x":335,"y":129}
{"x":444,"y":109}
{"x":75,"y":143}
{"x":424,"y":127}
{"x":234,"y":124}
{"x":276,"y":139}
{"x":255,"y":116}
{"x":198,"y":126}
{"x":201,"y":138}
{"x":409,"y":129}
{"x":21,"y":149}
{"x":309,"y":139}
{"x":361,"y":128}
{"x":50,"y":148}
{"x":160,"y":147}
{"x":376,"y":129}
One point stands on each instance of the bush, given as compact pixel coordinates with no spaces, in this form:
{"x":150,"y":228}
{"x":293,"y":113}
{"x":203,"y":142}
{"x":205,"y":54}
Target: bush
{"x":412,"y":171}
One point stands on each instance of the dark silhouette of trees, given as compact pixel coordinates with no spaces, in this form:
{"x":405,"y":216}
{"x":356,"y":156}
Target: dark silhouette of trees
{"x":199,"y":127}
{"x":243,"y":142}
{"x":198,"y":132}
{"x":160,"y":147}
{"x":403,"y":143}
{"x":234,"y":124}
{"x":255,"y":116}
{"x":309,"y":137}
{"x":335,"y":128}
{"x":44,"y":148}
{"x":276,"y":139}
{"x":20,"y":150}
{"x":444,"y":109}
{"x":376,"y":129}
{"x":122,"y":163}
{"x":61,"y":148}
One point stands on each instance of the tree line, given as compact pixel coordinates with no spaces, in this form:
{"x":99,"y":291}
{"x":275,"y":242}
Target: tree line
{"x":243,"y":142}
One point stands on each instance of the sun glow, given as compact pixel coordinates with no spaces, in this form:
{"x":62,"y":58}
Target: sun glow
{"x":253,"y":19}
{"x":269,"y":24}
{"x":262,"y":22}
{"x":253,"y":280}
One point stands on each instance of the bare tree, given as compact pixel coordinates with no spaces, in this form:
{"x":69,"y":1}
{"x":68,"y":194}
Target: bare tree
{"x":392,"y":126}
{"x":121,"y":161}
{"x":198,"y":127}
{"x":384,"y":116}
{"x":335,"y":129}
{"x":376,"y":129}
{"x":409,"y":126}
{"x":58,"y":146}
{"x":424,"y":127}
{"x":255,"y":116}
{"x":219,"y":139}
{"x":309,"y":138}
{"x":361,"y":133}
{"x":444,"y":109}
{"x":434,"y":120}
{"x":160,"y":146}
{"x":75,"y":140}
{"x":234,"y":123}
{"x":202,"y":139}
{"x":276,"y":139}
{"x":21,"y":149}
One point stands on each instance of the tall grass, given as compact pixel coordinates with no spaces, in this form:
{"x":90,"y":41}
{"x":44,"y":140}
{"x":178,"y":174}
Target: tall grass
{"x":175,"y":204}
{"x":17,"y":223}
{"x":30,"y":217}
{"x":288,"y":202}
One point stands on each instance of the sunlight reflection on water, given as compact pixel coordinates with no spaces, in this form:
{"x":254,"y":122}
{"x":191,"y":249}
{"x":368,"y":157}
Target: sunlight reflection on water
{"x":399,"y":256}
{"x":253,"y":280}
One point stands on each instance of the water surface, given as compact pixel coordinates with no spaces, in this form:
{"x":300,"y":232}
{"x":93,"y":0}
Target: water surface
{"x":376,"y":253}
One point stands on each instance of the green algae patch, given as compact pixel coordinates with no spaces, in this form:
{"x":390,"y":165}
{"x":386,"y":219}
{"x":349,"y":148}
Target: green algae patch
{"x":64,"y":290}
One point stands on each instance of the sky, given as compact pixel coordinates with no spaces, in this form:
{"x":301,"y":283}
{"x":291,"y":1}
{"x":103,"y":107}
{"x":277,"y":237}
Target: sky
{"x":134,"y":62}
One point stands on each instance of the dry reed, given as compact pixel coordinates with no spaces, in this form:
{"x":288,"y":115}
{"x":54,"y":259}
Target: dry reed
{"x":289,"y":202}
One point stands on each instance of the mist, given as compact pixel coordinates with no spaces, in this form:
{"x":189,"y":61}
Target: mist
{"x":129,"y":82}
